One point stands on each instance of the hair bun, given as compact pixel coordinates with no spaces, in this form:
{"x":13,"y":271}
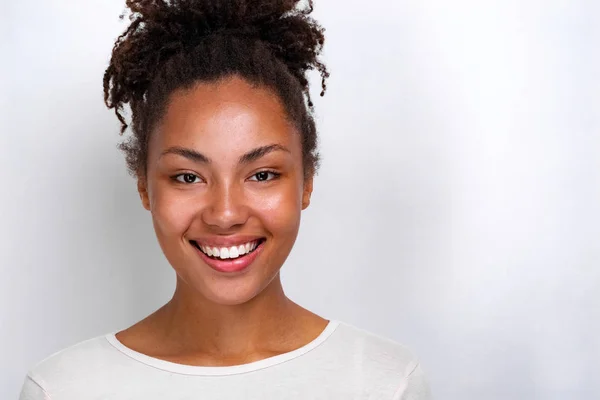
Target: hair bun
{"x":283,"y":25}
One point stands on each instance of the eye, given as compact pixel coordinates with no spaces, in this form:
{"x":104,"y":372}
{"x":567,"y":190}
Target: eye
{"x":187,"y":178}
{"x":264,"y":176}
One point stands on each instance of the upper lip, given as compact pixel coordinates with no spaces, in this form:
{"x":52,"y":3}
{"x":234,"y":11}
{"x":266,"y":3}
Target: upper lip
{"x":226,"y":241}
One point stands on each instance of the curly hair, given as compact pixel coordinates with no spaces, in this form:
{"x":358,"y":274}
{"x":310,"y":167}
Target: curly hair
{"x":173,"y":44}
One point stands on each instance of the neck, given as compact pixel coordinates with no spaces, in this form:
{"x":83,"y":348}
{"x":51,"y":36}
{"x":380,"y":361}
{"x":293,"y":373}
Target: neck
{"x":268,"y":321}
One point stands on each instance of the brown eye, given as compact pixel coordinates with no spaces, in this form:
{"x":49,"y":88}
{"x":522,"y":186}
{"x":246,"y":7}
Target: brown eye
{"x":187,"y":178}
{"x":264,"y":176}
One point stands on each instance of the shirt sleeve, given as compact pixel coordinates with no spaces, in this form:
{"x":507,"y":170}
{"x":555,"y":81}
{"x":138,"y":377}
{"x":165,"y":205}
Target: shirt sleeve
{"x":33,"y":391}
{"x":414,"y":387}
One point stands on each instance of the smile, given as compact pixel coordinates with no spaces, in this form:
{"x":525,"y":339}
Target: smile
{"x":232,"y":252}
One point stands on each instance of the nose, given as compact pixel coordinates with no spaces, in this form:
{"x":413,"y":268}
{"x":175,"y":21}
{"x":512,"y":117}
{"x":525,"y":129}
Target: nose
{"x":226,"y":207}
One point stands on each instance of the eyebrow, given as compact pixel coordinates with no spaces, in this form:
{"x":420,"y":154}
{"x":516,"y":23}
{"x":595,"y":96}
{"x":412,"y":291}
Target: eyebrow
{"x":259,"y":152}
{"x":190,"y":154}
{"x":247,"y":158}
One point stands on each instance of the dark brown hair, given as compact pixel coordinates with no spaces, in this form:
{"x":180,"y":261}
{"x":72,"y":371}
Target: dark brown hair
{"x":171,"y":45}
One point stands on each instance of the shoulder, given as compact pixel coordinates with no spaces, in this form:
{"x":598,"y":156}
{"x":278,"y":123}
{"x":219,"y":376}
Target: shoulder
{"x":377,"y":364}
{"x":89,"y":352}
{"x":75,"y":363}
{"x":374,"y":350}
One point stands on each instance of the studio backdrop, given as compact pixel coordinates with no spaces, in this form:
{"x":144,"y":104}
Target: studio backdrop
{"x":457,"y":209}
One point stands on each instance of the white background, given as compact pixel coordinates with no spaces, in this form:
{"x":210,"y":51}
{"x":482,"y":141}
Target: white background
{"x":457,"y":209}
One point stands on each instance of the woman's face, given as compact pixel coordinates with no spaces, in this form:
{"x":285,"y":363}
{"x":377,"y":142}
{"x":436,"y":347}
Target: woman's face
{"x":225,"y":186}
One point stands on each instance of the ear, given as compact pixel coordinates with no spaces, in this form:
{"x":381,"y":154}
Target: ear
{"x":307,"y":191}
{"x":142,"y":186}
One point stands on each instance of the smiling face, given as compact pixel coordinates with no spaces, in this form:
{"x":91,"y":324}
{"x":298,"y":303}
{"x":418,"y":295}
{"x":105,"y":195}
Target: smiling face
{"x":226,"y":187}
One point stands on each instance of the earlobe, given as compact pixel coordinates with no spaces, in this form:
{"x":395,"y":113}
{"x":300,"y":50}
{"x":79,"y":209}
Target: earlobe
{"x":143,"y":192}
{"x":307,"y":192}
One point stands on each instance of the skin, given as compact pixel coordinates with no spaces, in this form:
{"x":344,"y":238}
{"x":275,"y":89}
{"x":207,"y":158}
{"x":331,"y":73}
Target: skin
{"x":215,"y":318}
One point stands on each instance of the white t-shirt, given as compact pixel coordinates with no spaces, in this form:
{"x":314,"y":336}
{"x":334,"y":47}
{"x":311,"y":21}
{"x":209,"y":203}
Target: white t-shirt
{"x":343,"y":362}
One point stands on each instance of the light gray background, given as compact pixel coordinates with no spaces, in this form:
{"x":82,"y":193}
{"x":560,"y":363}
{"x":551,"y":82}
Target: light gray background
{"x":457,"y":209}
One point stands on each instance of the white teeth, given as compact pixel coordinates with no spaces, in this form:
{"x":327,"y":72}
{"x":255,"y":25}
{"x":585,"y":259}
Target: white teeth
{"x":224,"y":253}
{"x":229,"y":252}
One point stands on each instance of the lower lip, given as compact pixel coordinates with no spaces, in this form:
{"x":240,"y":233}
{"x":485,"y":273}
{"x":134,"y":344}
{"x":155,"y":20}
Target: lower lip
{"x":228,"y":265}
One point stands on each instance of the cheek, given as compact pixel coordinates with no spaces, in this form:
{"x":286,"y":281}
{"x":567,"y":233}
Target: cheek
{"x":172,"y":213}
{"x":280,"y":210}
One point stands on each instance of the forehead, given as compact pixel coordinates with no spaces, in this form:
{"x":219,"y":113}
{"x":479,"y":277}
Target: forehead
{"x":231,"y":111}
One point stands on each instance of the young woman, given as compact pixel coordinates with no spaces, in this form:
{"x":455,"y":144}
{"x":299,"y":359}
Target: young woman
{"x":224,"y":152}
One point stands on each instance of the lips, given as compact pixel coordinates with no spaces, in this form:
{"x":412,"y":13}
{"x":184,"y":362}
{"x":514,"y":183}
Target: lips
{"x":229,"y":258}
{"x":227,"y":252}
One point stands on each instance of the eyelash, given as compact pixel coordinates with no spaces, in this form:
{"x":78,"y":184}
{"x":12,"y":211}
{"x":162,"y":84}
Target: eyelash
{"x":176,"y":178}
{"x":275,"y":175}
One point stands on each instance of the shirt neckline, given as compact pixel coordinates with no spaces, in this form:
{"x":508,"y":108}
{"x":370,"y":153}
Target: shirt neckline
{"x":227,"y":370}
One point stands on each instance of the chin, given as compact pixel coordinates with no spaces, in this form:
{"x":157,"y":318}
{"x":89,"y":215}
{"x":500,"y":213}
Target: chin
{"x":226,"y":290}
